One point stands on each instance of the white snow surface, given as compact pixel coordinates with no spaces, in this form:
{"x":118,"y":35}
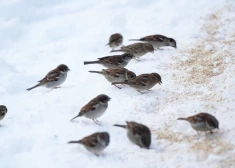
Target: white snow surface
{"x":37,"y":36}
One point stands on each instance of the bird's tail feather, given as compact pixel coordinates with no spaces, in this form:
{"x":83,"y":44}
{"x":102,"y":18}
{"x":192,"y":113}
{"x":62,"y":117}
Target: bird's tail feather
{"x":91,"y":62}
{"x":79,"y":141}
{"x":75,"y":117}
{"x":99,"y":72}
{"x":122,"y":126}
{"x":34,"y":87}
{"x":186,"y":119}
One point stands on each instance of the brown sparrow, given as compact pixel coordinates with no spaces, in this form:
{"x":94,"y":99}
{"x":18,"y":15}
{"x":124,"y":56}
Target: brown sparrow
{"x":143,"y":82}
{"x":95,"y":143}
{"x":54,"y":78}
{"x":137,"y":133}
{"x":3,"y":112}
{"x":115,"y":40}
{"x":95,"y":108}
{"x":116,"y":74}
{"x":202,"y":122}
{"x":137,"y":49}
{"x":115,"y":61}
{"x":157,"y":40}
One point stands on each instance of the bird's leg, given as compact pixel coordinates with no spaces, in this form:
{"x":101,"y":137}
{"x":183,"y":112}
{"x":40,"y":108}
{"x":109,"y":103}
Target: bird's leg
{"x":150,"y":90}
{"x":96,"y":154}
{"x":198,"y":133}
{"x":117,"y":87}
{"x":211,"y":132}
{"x":140,"y":91}
{"x":57,"y":87}
{"x":96,"y":121}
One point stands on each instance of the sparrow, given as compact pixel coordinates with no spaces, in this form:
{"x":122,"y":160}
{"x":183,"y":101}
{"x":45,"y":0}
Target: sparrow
{"x":137,"y":49}
{"x":115,"y":40}
{"x":115,"y":61}
{"x":54,"y":78}
{"x":137,"y":133}
{"x":116,"y":74}
{"x":95,"y":143}
{"x":202,"y":122}
{"x":157,"y":40}
{"x":95,"y":108}
{"x":3,"y":112}
{"x":142,"y":82}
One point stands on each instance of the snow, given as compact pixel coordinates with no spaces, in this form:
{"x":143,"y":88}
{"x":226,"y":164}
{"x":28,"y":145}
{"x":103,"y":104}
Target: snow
{"x":197,"y":77}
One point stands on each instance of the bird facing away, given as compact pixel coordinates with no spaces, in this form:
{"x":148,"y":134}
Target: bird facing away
{"x":202,"y":122}
{"x":115,"y":61}
{"x":143,"y":82}
{"x":137,"y":49}
{"x":115,"y":40}
{"x":138,"y":134}
{"x":95,"y":108}
{"x":54,"y":78}
{"x":157,"y":41}
{"x":95,"y":143}
{"x":3,"y":112}
{"x":116,"y":74}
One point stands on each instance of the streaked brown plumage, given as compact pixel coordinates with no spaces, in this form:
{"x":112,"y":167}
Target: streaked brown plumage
{"x":137,"y":133}
{"x":137,"y":49}
{"x":95,"y":108}
{"x":143,"y":82}
{"x":115,"y":40}
{"x":115,"y":61}
{"x":54,"y":78}
{"x":95,"y":143}
{"x":157,"y":41}
{"x":116,"y":74}
{"x":202,"y":122}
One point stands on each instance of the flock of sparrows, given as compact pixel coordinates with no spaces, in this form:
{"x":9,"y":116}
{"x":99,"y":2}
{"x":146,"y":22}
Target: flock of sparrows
{"x":116,"y":74}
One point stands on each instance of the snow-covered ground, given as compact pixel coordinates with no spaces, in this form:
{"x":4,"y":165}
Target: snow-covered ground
{"x":36,"y":36}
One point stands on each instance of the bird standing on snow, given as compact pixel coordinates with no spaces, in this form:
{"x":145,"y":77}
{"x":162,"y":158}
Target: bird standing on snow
{"x":142,"y":82}
{"x":95,"y":108}
{"x":157,"y":41}
{"x":202,"y":122}
{"x":137,"y":49}
{"x":3,"y":112}
{"x":54,"y":78}
{"x":95,"y":143}
{"x":116,"y":74}
{"x":115,"y":40}
{"x":115,"y":61}
{"x":138,"y":134}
